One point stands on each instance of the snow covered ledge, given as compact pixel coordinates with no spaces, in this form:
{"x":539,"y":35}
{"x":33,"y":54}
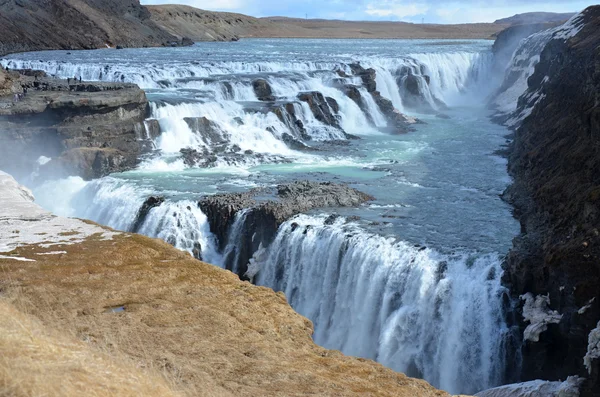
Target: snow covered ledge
{"x":537,"y":388}
{"x":23,"y":222}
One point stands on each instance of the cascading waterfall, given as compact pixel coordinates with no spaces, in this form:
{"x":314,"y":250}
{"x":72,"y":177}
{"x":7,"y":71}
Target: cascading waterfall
{"x":417,"y":311}
{"x":116,"y":203}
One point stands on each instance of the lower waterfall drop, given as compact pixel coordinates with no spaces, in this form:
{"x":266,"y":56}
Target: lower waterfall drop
{"x":415,"y":310}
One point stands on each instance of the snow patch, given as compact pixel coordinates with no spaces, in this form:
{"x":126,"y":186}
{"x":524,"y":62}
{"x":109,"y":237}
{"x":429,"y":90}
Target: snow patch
{"x":23,"y":222}
{"x":538,"y":314}
{"x":593,"y":351}
{"x":537,"y":388}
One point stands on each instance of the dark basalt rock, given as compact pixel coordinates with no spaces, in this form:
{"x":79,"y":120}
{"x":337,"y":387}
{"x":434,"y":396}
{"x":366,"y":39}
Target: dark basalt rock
{"x":266,"y":215}
{"x":194,"y":158}
{"x":87,"y":129}
{"x":368,"y":76}
{"x":207,"y":129}
{"x":320,"y":108}
{"x":140,"y":218}
{"x":287,"y":114}
{"x":555,"y":162}
{"x":263,"y":90}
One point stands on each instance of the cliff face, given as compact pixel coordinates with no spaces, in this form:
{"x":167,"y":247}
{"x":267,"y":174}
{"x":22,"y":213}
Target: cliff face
{"x":555,"y":161}
{"x":33,"y":25}
{"x":86,"y":129}
{"x":141,"y":299}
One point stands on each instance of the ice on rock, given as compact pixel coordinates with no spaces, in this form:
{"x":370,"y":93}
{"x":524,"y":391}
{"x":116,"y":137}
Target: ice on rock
{"x":536,"y":311}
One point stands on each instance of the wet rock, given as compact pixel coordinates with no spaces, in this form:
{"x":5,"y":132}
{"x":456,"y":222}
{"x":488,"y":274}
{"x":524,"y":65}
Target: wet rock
{"x":88,"y":128}
{"x":293,"y":143}
{"x":553,"y":160}
{"x":368,"y":76}
{"x":152,"y":128}
{"x":195,"y":158}
{"x":287,"y":114}
{"x":335,"y":107}
{"x":320,"y":108}
{"x":210,"y":131}
{"x":415,"y":91}
{"x":265,"y":216}
{"x":140,"y":218}
{"x":263,"y":90}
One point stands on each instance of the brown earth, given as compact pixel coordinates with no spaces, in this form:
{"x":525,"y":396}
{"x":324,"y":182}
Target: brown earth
{"x":33,"y":25}
{"x":205,"y":330}
{"x":201,"y":25}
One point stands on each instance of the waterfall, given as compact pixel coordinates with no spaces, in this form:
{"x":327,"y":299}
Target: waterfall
{"x":429,"y":314}
{"x":417,"y":311}
{"x":117,"y":203}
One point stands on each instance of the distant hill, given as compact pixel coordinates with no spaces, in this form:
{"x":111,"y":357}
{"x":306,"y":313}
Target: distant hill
{"x":201,"y":25}
{"x":534,"y":17}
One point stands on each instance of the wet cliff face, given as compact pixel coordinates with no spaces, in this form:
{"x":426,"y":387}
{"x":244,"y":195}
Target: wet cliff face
{"x":63,"y":128}
{"x":555,"y":161}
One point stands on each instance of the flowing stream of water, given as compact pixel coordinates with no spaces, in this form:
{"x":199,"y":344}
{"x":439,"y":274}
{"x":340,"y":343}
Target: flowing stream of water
{"x":412,"y":279}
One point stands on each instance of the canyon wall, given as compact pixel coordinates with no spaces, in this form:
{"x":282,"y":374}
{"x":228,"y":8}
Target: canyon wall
{"x":68,"y":127}
{"x":555,"y":162}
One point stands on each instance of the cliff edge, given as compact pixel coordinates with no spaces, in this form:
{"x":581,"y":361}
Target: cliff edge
{"x":555,"y":162}
{"x":126,"y":300}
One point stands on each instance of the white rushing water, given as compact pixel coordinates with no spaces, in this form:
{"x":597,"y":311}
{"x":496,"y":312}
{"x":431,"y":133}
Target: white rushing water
{"x":415,"y":310}
{"x":435,"y":312}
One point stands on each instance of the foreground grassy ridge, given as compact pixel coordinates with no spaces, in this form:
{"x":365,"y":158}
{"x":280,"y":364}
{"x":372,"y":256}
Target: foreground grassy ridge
{"x":209,"y":334}
{"x":36,"y":361}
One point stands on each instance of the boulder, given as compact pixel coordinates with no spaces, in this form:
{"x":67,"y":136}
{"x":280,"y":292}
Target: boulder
{"x":140,"y":218}
{"x":320,"y":107}
{"x":210,"y":132}
{"x":263,"y":90}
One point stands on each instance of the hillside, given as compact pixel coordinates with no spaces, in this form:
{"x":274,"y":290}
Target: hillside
{"x":201,"y":25}
{"x":30,"y":25}
{"x":535,"y":17}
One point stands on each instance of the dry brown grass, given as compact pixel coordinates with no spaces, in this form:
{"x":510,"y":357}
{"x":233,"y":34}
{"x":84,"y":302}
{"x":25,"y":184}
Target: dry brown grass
{"x":208,"y":332}
{"x":35,"y":361}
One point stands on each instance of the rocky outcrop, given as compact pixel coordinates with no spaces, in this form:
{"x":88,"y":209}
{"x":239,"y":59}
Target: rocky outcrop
{"x":554,"y":160}
{"x":397,"y":122}
{"x":121,"y":302}
{"x":509,"y":39}
{"x":263,"y":90}
{"x":31,"y":25}
{"x":320,"y":107}
{"x":208,"y":130}
{"x":86,"y":129}
{"x":263,"y":216}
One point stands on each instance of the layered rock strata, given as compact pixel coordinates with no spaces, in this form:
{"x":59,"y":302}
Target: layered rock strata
{"x":62,"y":128}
